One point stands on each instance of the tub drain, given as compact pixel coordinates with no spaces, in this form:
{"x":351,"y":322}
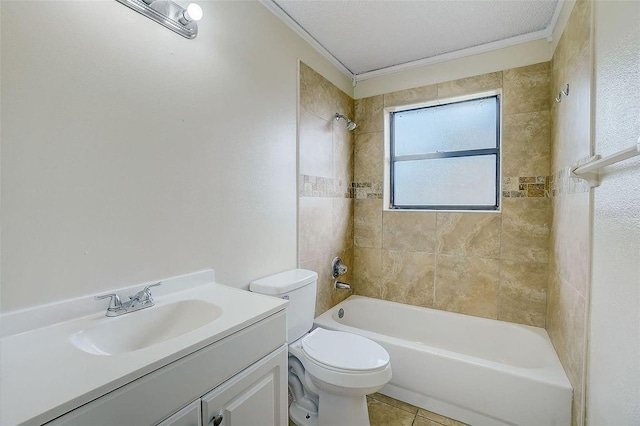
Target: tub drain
{"x":340,"y":313}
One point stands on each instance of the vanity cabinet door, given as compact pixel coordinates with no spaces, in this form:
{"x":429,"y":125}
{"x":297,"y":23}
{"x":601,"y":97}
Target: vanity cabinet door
{"x":256,"y":396}
{"x":191,"y":415}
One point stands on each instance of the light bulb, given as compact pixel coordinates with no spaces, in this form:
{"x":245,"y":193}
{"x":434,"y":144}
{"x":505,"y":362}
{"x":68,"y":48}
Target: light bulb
{"x":193,"y":12}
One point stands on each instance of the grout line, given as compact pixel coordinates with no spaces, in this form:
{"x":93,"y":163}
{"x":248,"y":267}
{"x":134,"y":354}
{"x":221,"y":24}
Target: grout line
{"x":391,"y":405}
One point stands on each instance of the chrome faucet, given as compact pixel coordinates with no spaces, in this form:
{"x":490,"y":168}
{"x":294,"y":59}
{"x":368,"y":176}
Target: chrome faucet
{"x":339,"y":285}
{"x":140,"y":300}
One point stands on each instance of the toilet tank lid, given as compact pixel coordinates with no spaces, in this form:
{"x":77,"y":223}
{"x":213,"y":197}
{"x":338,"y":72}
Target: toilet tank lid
{"x":283,"y":282}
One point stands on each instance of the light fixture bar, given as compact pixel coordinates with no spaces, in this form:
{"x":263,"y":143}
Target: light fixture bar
{"x":168,"y":14}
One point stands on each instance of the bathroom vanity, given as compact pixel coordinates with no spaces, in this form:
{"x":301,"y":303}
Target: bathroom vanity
{"x":205,"y":354}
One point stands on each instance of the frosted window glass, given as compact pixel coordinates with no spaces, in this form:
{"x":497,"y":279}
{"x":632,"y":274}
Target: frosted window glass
{"x":454,"y":127}
{"x":451,"y":181}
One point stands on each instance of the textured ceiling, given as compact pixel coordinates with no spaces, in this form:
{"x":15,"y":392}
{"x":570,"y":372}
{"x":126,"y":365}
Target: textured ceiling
{"x":370,"y":35}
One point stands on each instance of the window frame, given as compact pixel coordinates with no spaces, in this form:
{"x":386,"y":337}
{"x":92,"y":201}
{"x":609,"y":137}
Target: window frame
{"x":391,"y":159}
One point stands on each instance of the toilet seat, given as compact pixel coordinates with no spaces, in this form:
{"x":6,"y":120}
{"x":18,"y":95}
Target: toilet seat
{"x":345,"y":352}
{"x":325,"y":360}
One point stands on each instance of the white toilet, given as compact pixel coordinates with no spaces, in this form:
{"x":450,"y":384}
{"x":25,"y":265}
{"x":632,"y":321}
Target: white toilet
{"x":330,"y":372}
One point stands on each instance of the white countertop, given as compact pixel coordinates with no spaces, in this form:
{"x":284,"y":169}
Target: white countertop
{"x":43,"y":375}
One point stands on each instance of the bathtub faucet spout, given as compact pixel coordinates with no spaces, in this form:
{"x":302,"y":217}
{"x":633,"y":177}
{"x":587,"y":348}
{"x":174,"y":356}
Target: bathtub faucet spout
{"x":339,"y":285}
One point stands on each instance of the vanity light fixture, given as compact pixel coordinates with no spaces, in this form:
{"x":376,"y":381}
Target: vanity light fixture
{"x":169,"y":14}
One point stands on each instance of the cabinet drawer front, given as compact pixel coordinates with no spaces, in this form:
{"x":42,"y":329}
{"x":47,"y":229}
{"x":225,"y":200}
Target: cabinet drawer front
{"x":153,"y":397}
{"x":255,"y":397}
{"x":191,"y":415}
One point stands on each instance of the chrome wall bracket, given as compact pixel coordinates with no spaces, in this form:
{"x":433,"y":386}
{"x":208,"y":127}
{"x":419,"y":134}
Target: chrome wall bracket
{"x":166,"y":13}
{"x":591,"y":171}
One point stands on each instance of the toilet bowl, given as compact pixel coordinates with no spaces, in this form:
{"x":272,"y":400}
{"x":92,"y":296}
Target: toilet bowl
{"x":330,"y":372}
{"x":341,"y":369}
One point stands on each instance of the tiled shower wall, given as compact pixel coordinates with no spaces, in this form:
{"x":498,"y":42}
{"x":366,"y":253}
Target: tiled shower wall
{"x":492,"y":265}
{"x":325,"y":197}
{"x":569,"y":243}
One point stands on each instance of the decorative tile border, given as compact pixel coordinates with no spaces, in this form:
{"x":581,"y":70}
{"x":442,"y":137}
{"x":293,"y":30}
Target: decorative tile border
{"x":562,"y":183}
{"x":316,"y":186}
{"x":368,"y":190}
{"x":525,"y":187}
{"x":559,"y":183}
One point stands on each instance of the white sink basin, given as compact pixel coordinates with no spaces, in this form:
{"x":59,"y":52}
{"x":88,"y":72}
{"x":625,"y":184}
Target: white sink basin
{"x":138,"y":330}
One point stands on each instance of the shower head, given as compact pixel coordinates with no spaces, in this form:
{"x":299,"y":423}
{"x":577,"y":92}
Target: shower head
{"x":350,"y":124}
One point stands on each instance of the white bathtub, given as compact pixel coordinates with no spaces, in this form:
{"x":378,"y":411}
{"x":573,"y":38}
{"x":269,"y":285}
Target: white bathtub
{"x":476,"y":370}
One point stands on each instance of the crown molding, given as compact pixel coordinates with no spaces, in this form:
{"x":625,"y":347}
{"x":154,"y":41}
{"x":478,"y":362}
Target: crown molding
{"x":273,"y":7}
{"x":546,"y":33}
{"x":470,"y":51}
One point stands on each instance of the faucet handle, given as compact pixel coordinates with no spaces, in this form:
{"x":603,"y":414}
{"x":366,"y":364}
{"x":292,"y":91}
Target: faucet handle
{"x":114,"y":303}
{"x":146,"y":292}
{"x":146,"y":288}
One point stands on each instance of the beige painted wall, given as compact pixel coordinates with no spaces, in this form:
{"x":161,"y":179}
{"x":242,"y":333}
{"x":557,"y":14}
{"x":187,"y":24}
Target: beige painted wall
{"x":483,"y":63}
{"x":492,"y":265}
{"x":613,"y":381}
{"x":569,"y":243}
{"x":130,"y":153}
{"x":325,"y":164}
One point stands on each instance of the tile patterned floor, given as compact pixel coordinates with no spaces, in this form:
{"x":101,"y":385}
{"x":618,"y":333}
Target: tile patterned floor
{"x":386,"y":411}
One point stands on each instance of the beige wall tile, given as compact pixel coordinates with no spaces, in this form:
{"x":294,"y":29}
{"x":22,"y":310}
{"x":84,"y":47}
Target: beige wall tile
{"x":320,"y":97}
{"x":469,"y":234}
{"x":321,"y":266}
{"x":577,"y":408}
{"x":525,"y":229}
{"x":327,"y":295}
{"x":472,"y":238}
{"x":468,"y":285}
{"x":316,"y":145}
{"x":574,"y":45}
{"x":566,"y":322}
{"x":569,"y":258}
{"x":342,"y":157}
{"x":526,"y":144}
{"x":575,"y":40}
{"x":409,"y":231}
{"x":411,"y":96}
{"x":343,"y":104}
{"x":570,"y":125}
{"x":407,"y":277}
{"x":338,"y":295}
{"x":315,"y":93}
{"x":368,"y":159}
{"x":522,"y":297}
{"x":367,"y":223}
{"x":570,"y":242}
{"x":470,"y":85}
{"x":325,"y":227}
{"x":341,"y":224}
{"x":315,"y":215}
{"x":527,"y":89}
{"x":369,"y":114}
{"x":367,"y":270}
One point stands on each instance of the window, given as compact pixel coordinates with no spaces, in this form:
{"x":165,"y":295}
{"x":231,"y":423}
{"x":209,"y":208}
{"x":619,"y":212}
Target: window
{"x":446,"y":157}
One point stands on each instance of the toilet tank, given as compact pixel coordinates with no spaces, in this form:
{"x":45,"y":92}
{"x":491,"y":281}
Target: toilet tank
{"x":299,"y":287}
